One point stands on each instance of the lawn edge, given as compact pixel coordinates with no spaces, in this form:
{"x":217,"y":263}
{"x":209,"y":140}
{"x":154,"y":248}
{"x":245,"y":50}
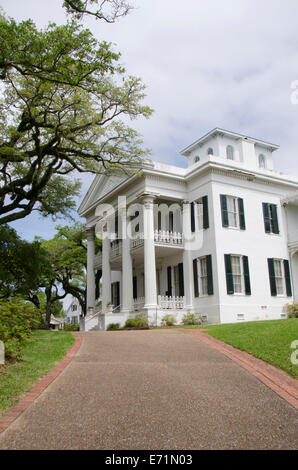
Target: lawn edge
{"x":276,"y":379}
{"x":40,"y":385}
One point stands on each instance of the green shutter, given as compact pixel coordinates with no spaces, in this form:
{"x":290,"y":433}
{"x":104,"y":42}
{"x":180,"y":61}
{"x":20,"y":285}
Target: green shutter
{"x":229,"y":275}
{"x":169,"y":271}
{"x":288,"y":278}
{"x":266,"y":217}
{"x":224,"y":210}
{"x":246,"y":275}
{"x":205,"y":212}
{"x":275,"y":227}
{"x":272,"y":277}
{"x":209,"y":274}
{"x":195,"y":277}
{"x":181,"y":279}
{"x":192,"y":217}
{"x":241,"y":214}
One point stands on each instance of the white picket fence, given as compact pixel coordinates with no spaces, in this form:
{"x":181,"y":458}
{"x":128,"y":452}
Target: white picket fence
{"x":138,"y":303}
{"x":166,"y":302}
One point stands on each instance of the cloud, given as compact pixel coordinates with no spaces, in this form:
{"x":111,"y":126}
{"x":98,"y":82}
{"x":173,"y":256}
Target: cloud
{"x":206,"y":63}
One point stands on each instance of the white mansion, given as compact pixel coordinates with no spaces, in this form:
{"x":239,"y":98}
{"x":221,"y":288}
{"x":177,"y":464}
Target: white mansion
{"x":219,"y":237}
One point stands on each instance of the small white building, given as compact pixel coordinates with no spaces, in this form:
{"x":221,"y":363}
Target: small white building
{"x":73,"y":313}
{"x":219,"y":237}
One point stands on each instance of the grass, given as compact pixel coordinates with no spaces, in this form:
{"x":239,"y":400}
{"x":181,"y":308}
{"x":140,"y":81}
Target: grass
{"x":40,"y":355}
{"x":267,"y":340}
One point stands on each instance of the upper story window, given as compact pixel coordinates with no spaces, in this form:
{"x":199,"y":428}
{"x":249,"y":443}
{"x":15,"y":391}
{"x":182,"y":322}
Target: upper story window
{"x":74,"y":308}
{"x":232,"y":212}
{"x":210,"y":151}
{"x":197,"y":159}
{"x":203,"y":213}
{"x":230,"y":152}
{"x":262,"y":161}
{"x":270,"y":218}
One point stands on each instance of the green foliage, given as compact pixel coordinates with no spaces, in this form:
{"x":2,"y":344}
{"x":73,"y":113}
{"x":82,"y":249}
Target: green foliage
{"x":63,"y":96}
{"x":22,"y":264}
{"x":17,"y":320}
{"x":292,"y":310}
{"x":168,"y":320}
{"x":138,"y":321}
{"x":71,"y":327}
{"x":267,"y":340}
{"x":191,"y":319}
{"x":113,"y":326}
{"x":39,"y":356}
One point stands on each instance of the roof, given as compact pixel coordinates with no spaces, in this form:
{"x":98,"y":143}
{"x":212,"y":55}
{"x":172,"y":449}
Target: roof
{"x":235,"y":135}
{"x":56,"y":321}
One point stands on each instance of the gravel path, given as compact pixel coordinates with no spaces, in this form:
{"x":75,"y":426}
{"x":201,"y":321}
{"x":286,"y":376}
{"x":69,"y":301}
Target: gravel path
{"x":158,"y":389}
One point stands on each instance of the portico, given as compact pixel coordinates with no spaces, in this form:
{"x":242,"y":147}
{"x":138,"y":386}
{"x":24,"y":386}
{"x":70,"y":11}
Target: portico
{"x":138,"y":259}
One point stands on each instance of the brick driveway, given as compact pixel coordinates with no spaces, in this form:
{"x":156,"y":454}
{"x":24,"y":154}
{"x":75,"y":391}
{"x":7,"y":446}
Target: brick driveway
{"x":160,"y":389}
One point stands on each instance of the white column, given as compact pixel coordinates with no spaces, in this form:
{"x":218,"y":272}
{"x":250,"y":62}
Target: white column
{"x":187,"y":258}
{"x":149,"y":254}
{"x":90,"y":270}
{"x":106,"y":274}
{"x":127,"y":286}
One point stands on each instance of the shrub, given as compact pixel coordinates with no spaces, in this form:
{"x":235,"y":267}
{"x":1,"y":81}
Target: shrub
{"x":292,"y":310}
{"x":168,"y":320}
{"x":192,"y":319}
{"x":71,"y":327}
{"x":138,"y":321}
{"x":114,"y":326}
{"x":17,"y":320}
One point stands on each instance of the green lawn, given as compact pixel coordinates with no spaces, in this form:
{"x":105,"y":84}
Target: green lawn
{"x":267,"y":340}
{"x":40,"y":355}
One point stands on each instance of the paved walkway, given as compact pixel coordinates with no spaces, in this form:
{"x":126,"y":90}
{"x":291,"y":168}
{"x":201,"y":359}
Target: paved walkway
{"x":160,"y":389}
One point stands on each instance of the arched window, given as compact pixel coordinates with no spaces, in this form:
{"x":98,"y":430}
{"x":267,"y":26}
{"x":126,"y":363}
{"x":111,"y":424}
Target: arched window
{"x":262,"y":161}
{"x":230,"y":152}
{"x":210,"y":151}
{"x":197,"y":159}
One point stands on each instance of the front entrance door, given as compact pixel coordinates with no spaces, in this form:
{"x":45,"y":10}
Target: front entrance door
{"x":116,"y":294}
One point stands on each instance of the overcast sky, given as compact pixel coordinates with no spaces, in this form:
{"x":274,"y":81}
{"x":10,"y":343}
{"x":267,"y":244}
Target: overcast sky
{"x":206,"y":64}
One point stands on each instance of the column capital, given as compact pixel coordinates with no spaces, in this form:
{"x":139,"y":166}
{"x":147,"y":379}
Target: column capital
{"x":90,"y":233}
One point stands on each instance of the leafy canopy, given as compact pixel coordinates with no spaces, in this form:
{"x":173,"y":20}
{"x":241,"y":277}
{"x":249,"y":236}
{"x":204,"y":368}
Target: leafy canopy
{"x":65,"y":101}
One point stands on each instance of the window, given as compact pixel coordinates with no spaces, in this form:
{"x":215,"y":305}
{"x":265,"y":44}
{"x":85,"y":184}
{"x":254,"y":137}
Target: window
{"x":197,"y":159}
{"x":262,"y":161}
{"x":232,"y":212}
{"x":237,"y":274}
{"x":279,"y":276}
{"x":176,"y":281}
{"x":74,"y":308}
{"x":270,"y":218}
{"x":210,"y":151}
{"x":171,"y":221}
{"x":202,"y":213}
{"x":230,"y":152}
{"x":203,"y":276}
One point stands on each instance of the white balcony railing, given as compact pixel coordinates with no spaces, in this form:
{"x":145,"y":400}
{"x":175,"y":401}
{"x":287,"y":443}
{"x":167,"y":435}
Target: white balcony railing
{"x":168,"y":238}
{"x":137,"y":240}
{"x":116,"y":248}
{"x":166,"y":302}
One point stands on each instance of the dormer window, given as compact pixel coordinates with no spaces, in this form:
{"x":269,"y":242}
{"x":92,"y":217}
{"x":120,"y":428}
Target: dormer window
{"x":230,"y":152}
{"x":197,"y":159}
{"x":262,"y":161}
{"x":210,"y":151}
